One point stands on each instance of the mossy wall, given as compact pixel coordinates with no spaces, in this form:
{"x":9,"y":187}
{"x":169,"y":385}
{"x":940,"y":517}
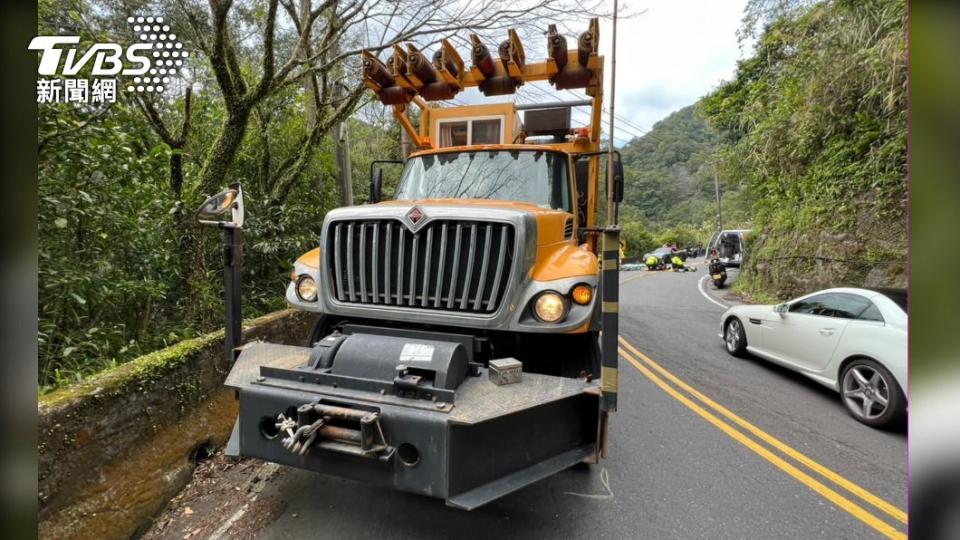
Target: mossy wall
{"x":114,"y":448}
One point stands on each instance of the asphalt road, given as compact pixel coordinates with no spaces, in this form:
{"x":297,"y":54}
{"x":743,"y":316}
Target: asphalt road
{"x":765,"y":454}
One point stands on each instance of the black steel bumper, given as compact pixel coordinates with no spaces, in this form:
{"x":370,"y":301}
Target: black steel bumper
{"x":490,"y":441}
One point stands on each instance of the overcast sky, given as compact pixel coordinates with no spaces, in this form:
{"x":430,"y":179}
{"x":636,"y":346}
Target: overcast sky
{"x":669,"y":56}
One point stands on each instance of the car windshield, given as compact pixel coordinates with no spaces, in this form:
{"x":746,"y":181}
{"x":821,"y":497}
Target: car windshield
{"x":536,"y":177}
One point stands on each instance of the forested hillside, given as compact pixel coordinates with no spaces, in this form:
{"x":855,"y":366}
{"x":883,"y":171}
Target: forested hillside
{"x":670,"y":178}
{"x":814,"y":129}
{"x":670,"y":193}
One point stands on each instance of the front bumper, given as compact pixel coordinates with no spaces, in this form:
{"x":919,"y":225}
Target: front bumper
{"x":489,"y":441}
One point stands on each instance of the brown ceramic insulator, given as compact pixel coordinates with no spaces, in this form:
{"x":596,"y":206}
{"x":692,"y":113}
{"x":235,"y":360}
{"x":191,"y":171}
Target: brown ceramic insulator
{"x":498,"y":86}
{"x":437,"y":91}
{"x":585,"y":46}
{"x":572,"y":76}
{"x":393,"y":64}
{"x":375,"y":70}
{"x":504,"y":50}
{"x":449,"y":64}
{"x":419,"y":66}
{"x":395,"y":95}
{"x":557,"y":49}
{"x":482,"y":59}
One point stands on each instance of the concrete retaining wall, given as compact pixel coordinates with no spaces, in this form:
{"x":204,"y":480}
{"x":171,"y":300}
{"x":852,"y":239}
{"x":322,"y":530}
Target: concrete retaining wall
{"x":115,"y":448}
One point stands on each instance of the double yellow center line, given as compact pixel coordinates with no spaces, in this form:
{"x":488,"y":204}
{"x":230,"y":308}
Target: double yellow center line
{"x":647,"y":366}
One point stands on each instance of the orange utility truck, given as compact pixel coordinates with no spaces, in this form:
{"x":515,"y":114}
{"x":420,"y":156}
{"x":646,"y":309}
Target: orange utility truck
{"x":458,"y":349}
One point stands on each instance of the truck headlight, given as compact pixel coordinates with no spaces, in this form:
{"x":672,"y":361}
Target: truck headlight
{"x":549,"y":307}
{"x":307,"y":288}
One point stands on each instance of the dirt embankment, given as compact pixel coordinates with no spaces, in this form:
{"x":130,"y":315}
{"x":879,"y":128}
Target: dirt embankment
{"x":115,"y":448}
{"x":786,"y":263}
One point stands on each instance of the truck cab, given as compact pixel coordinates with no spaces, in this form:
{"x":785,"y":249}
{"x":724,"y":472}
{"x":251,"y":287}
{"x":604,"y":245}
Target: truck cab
{"x":482,"y":235}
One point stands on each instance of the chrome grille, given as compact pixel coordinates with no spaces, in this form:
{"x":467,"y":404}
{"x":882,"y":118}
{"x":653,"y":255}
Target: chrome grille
{"x":448,"y":265}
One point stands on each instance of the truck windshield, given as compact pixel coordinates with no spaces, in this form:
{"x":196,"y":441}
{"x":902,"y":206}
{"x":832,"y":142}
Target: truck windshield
{"x":536,"y":177}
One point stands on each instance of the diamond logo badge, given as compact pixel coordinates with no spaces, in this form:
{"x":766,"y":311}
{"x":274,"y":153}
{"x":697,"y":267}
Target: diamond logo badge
{"x":415,"y":217}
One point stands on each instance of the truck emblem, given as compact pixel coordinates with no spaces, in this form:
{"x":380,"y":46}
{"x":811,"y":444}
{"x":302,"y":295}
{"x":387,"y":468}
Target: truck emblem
{"x":414,"y":216}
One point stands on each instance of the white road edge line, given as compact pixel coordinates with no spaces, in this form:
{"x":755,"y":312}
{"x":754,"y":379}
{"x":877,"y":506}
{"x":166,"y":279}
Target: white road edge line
{"x":707,"y":296}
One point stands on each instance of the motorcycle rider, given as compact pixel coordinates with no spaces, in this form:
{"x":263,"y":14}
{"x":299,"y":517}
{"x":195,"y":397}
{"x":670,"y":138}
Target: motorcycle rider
{"x":717,"y":269}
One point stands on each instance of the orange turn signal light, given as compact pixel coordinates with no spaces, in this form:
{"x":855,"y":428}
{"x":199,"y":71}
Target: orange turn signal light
{"x":582,"y":294}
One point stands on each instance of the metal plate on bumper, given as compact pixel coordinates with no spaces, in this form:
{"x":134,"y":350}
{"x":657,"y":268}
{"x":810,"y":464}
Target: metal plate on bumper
{"x":247,"y":367}
{"x":478,"y":399}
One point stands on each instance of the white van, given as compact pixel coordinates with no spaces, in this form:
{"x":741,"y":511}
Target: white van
{"x":730,"y":244}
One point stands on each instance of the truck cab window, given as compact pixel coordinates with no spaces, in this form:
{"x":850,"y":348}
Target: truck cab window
{"x":453,"y":134}
{"x":531,"y":176}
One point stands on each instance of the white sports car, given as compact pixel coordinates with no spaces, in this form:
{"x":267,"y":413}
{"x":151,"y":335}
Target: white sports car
{"x":851,"y":340}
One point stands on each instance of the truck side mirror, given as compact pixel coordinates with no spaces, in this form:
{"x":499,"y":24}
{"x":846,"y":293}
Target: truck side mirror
{"x":230,"y":199}
{"x":618,"y":180}
{"x":376,"y":187}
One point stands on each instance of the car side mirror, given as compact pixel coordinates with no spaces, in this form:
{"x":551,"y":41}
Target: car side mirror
{"x":781,"y":309}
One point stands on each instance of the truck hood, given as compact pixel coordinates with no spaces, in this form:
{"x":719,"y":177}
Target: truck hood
{"x":550,"y":223}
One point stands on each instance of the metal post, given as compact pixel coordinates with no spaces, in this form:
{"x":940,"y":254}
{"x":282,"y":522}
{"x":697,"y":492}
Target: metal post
{"x":232,"y":276}
{"x":716,"y":185}
{"x":611,"y":204}
{"x":610,"y":309}
{"x":610,"y":281}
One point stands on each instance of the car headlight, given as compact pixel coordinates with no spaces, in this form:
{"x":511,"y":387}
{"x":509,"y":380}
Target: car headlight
{"x":549,"y":307}
{"x":307,"y":288}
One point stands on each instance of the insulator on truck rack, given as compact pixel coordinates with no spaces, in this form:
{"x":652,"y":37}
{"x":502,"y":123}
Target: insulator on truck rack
{"x":442,"y":62}
{"x":396,"y":95}
{"x":419,"y":67}
{"x":587,"y":43}
{"x":556,"y":46}
{"x":498,"y":86}
{"x":438,"y":91}
{"x":480,"y":55}
{"x":376,"y":71}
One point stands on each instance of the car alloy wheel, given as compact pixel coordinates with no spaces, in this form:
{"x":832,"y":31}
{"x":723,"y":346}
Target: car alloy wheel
{"x":733,"y":335}
{"x":866,"y":392}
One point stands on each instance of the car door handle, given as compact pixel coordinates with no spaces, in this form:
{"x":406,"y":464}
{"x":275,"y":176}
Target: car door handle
{"x":826,"y":331}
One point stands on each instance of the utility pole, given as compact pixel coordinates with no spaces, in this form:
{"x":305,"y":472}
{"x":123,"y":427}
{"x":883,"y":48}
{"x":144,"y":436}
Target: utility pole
{"x":344,"y":174}
{"x":342,"y":154}
{"x":406,"y":145}
{"x":716,"y":185}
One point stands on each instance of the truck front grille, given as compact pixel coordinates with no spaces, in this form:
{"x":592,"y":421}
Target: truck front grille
{"x":446,"y":265}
